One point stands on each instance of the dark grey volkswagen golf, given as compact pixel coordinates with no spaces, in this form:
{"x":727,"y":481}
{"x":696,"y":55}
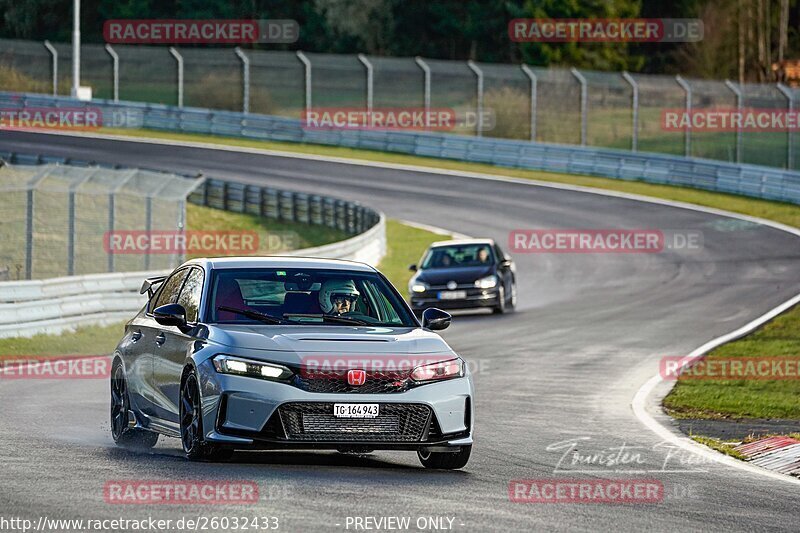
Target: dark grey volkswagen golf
{"x":283,"y":352}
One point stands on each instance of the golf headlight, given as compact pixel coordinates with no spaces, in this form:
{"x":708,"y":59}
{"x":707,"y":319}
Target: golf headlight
{"x":453,"y":368}
{"x":227,"y":364}
{"x":418,"y":287}
{"x":486,"y":283}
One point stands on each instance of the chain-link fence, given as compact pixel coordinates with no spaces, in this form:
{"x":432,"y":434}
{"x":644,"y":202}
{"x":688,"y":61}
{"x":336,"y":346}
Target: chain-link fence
{"x":569,"y":106}
{"x":58,"y":219}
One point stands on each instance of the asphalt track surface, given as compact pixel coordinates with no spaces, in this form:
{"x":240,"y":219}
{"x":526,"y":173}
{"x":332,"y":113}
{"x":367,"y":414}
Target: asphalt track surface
{"x":589,"y":331}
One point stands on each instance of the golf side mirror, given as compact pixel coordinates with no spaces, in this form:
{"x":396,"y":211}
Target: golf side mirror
{"x":435,"y":319}
{"x":412,"y":268}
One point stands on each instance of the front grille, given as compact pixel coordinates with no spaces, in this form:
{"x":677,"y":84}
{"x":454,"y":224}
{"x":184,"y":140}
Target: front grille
{"x":336,"y":382}
{"x":309,"y":421}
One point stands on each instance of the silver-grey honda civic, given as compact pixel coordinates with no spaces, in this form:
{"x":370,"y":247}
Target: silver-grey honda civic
{"x":289,"y":353}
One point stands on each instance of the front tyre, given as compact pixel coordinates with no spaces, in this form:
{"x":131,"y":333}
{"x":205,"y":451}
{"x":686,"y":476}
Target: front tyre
{"x":500,"y":308}
{"x":191,"y":424}
{"x":445,"y":460}
{"x":122,"y":434}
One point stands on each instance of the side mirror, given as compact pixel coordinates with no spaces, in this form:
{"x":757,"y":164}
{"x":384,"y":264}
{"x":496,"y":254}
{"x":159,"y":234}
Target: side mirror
{"x":505,"y":263}
{"x":412,"y":268}
{"x":435,"y":319}
{"x":171,"y":315}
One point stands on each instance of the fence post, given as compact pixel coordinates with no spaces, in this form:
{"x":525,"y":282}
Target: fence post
{"x":634,"y":110}
{"x":584,"y":103}
{"x":245,"y":79}
{"x":307,"y":64}
{"x":71,"y":233}
{"x":115,"y":59}
{"x":479,"y":105}
{"x":739,"y":104}
{"x":426,"y":88}
{"x":688,"y":133}
{"x":29,"y":234}
{"x":54,"y":53}
{"x":534,"y":87}
{"x":368,"y":65}
{"x":179,"y":58}
{"x":787,"y":92}
{"x":148,"y":226}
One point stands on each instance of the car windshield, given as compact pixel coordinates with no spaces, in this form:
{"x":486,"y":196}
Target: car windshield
{"x":305,"y":296}
{"x":461,"y":255}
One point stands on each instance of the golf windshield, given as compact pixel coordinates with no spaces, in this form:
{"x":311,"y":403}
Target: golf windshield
{"x":305,"y":296}
{"x":454,"y":256}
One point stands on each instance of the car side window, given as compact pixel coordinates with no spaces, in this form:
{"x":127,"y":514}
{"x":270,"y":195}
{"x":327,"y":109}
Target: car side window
{"x":189,"y":297}
{"x":169,"y":292}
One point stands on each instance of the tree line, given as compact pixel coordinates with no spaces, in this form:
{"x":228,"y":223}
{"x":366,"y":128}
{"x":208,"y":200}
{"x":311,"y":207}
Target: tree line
{"x":743,"y":39}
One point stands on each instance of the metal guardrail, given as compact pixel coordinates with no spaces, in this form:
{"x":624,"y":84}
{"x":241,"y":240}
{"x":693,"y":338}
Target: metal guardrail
{"x":747,"y":180}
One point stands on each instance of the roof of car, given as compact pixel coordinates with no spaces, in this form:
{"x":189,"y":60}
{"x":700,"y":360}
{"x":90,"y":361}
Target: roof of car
{"x":462,"y":242}
{"x":217,"y":263}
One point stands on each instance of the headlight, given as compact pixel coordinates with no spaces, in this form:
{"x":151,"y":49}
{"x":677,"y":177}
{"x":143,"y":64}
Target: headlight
{"x":227,"y":364}
{"x":454,"y":368}
{"x":486,"y":283}
{"x":419,"y":287}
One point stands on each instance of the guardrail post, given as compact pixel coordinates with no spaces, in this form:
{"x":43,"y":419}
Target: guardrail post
{"x":687,"y":139}
{"x":368,"y":66}
{"x":148,"y":226}
{"x":115,"y":60}
{"x":54,"y":54}
{"x":426,"y":87}
{"x":584,"y":103}
{"x":787,"y":92}
{"x":634,"y":110}
{"x":179,"y":58}
{"x":245,"y":79}
{"x":307,"y":64}
{"x":534,"y":87}
{"x":739,"y":104}
{"x":479,"y":89}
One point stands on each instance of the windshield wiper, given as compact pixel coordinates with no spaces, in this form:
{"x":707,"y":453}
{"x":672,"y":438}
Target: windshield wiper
{"x":338,"y":319}
{"x":255,"y":315}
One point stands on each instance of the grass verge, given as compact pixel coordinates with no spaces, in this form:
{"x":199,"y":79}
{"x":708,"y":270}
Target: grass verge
{"x":721,"y":446}
{"x":300,"y":235}
{"x":745,"y":398}
{"x":405,"y":244}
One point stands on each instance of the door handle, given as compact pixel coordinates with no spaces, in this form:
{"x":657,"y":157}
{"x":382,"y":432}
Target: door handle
{"x":136,"y":335}
{"x":161,"y":339}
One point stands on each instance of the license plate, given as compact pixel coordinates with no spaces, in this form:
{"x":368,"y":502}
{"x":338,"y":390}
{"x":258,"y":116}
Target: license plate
{"x":355,"y":410}
{"x":452,"y":295}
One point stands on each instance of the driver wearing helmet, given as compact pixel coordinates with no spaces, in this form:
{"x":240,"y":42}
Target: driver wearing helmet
{"x":338,"y":296}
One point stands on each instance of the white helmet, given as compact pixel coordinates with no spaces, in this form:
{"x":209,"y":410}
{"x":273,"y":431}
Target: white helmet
{"x":336,"y":288}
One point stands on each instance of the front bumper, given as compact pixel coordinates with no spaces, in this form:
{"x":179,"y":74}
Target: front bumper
{"x":248,"y":412}
{"x":475,"y":298}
